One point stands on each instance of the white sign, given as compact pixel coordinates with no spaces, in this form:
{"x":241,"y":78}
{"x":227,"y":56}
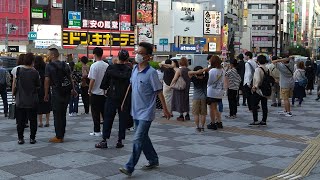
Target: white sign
{"x":211,"y":22}
{"x":212,"y":47}
{"x":42,"y":44}
{"x":145,"y":33}
{"x":47,"y":32}
{"x":94,"y":24}
{"x":187,"y":19}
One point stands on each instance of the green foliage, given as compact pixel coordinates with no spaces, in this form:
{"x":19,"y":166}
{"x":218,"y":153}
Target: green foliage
{"x":154,"y":64}
{"x":299,"y":50}
{"x":78,"y":65}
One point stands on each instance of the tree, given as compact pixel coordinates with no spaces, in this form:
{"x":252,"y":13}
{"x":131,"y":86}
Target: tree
{"x":299,"y":50}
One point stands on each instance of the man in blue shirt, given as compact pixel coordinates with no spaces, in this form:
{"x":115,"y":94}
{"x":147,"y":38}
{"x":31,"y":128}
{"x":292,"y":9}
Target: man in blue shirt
{"x":146,"y":86}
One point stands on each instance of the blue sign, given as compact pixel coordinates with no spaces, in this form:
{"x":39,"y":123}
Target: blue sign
{"x":163,"y":41}
{"x":203,"y":41}
{"x":72,"y":15}
{"x":186,"y":48}
{"x":32,"y":36}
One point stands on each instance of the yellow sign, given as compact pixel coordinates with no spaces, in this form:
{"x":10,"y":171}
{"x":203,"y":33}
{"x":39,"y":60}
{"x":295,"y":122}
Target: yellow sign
{"x":97,"y":38}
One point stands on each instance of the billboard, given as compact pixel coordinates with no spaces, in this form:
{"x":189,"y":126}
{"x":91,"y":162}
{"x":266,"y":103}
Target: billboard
{"x":72,"y":38}
{"x":95,"y":24}
{"x":145,"y":33}
{"x":144,"y":11}
{"x":47,"y":32}
{"x":211,"y":23}
{"x":125,"y":22}
{"x":187,"y":19}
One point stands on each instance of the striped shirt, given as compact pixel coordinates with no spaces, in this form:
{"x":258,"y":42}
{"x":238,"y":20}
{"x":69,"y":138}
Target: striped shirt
{"x":234,"y":79}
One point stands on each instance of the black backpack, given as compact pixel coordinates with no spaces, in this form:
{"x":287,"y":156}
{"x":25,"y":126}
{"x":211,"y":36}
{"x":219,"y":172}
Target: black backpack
{"x":267,"y":83}
{"x":116,"y":81}
{"x":64,"y":84}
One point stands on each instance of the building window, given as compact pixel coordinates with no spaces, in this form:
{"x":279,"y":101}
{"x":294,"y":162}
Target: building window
{"x":23,"y":27}
{"x":22,"y":5}
{"x":253,"y":6}
{"x":3,"y":6}
{"x":12,"y":6}
{"x":255,"y":16}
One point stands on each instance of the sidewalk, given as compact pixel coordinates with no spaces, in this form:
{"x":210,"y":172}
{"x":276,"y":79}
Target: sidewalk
{"x":236,"y":152}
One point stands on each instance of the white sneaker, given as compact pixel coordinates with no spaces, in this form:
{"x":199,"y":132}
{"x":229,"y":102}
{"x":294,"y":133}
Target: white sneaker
{"x":74,"y":114}
{"x":289,"y":114}
{"x":70,"y":114}
{"x":95,"y":134}
{"x":131,"y":129}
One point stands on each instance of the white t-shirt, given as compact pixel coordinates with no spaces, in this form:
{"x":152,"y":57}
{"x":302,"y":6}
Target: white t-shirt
{"x":97,"y":71}
{"x":216,"y":83}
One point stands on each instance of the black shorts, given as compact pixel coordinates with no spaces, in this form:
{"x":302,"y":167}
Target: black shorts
{"x":213,"y":100}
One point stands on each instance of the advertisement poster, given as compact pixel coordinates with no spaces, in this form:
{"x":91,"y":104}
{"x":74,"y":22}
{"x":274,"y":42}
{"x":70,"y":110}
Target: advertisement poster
{"x":145,"y":33}
{"x":211,"y":23}
{"x":144,"y":11}
{"x":47,"y":32}
{"x":187,"y":19}
{"x":125,"y":22}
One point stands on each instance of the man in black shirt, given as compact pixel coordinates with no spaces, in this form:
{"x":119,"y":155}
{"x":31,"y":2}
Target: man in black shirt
{"x":241,"y":70}
{"x":59,"y":101}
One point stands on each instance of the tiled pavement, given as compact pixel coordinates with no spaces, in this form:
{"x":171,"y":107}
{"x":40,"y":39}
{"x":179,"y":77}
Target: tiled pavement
{"x":237,"y":152}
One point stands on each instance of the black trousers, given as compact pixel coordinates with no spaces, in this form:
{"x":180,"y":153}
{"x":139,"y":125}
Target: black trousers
{"x":247,"y":91}
{"x":97,"y":109}
{"x":22,"y":117}
{"x":264,"y":105}
{"x":111,"y":108}
{"x":85,"y":98}
{"x":59,"y":108}
{"x":3,"y":93}
{"x":244,"y":97}
{"x":232,"y":99}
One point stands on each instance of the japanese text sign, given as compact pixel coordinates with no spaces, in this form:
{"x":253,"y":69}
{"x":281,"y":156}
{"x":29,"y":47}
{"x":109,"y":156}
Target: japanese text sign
{"x":212,"y":23}
{"x":94,"y":24}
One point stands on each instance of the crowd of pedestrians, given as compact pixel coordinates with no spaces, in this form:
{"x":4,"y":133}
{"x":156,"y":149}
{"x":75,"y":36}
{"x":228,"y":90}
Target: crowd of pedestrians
{"x":132,"y":89}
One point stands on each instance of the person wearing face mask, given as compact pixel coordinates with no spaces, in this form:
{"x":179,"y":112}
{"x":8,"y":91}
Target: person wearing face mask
{"x":96,"y":74}
{"x":145,"y":87}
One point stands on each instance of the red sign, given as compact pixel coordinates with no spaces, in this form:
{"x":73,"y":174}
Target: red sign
{"x":144,"y":12}
{"x":125,"y":22}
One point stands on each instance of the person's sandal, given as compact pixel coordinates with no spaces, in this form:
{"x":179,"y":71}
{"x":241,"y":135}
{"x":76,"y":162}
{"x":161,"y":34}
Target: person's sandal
{"x":46,"y":125}
{"x":40,"y":125}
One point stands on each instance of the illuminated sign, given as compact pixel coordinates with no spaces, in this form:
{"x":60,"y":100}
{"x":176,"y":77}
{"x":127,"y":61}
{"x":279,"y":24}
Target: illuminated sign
{"x":94,"y":24}
{"x":75,"y":38}
{"x":125,"y":22}
{"x":212,"y":22}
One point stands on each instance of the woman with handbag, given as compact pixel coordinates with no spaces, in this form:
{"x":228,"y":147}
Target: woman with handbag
{"x":181,"y":86}
{"x":300,"y":80}
{"x":26,"y":95}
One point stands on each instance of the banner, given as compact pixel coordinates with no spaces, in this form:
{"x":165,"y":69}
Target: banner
{"x":125,"y":22}
{"x":212,"y":23}
{"x":144,"y":11}
{"x":145,"y":33}
{"x":94,"y":24}
{"x":74,"y":38}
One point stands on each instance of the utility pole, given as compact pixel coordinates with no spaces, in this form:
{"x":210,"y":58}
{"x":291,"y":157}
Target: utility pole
{"x":276,"y":29}
{"x":7,"y":35}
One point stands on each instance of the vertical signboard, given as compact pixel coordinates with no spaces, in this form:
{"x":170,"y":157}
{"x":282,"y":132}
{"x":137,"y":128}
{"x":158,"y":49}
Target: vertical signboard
{"x":155,"y":13}
{"x":125,"y":22}
{"x":144,"y":11}
{"x":211,"y":23}
{"x":74,"y":19}
{"x":145,"y":33}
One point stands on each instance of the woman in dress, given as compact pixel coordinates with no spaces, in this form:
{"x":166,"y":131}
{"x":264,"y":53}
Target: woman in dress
{"x":310,"y":76}
{"x":43,"y":107}
{"x":180,"y":98}
{"x":299,"y":91}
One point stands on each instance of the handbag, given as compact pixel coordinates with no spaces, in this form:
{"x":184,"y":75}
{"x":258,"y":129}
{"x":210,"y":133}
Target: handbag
{"x":180,"y":84}
{"x":12,"y":109}
{"x":303,"y":82}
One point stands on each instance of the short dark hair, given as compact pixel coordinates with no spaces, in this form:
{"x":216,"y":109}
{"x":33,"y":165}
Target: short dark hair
{"x":84,"y":59}
{"x":123,"y":55}
{"x":209,"y":57}
{"x":274,"y":58}
{"x":262,"y":59}
{"x":148,"y":47}
{"x":197,"y":68}
{"x":248,"y":53}
{"x":28,"y":59}
{"x":39,"y":63}
{"x":98,"y":51}
{"x":168,"y":61}
{"x":54,"y":51}
{"x":176,"y":63}
{"x":240,"y":56}
{"x":20,"y":60}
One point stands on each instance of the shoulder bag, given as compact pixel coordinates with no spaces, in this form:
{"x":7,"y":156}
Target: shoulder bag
{"x":180,"y":84}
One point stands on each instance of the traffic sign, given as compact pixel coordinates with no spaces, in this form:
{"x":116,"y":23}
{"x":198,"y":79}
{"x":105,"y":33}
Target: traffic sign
{"x":203,"y":41}
{"x":32,"y":35}
{"x":73,"y":15}
{"x":163,"y":41}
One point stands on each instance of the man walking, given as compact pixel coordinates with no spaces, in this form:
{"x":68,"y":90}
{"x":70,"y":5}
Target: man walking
{"x":250,"y":67}
{"x":286,"y":69}
{"x":58,"y":76}
{"x":96,"y":73}
{"x":4,"y":82}
{"x":145,"y":87}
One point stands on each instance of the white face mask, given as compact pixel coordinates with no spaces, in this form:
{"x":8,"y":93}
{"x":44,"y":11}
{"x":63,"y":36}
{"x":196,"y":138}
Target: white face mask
{"x":139,"y":58}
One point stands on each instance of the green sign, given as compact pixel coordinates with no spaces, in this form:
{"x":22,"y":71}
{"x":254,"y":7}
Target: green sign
{"x":74,"y":23}
{"x":37,"y":13}
{"x":36,"y":10}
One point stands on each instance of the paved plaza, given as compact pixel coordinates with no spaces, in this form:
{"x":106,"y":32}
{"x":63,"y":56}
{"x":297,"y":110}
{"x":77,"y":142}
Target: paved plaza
{"x":236,"y":152}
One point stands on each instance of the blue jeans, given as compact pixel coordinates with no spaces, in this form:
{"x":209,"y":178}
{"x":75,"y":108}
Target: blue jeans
{"x":73,"y":104}
{"x":220,"y":104}
{"x":142,"y":142}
